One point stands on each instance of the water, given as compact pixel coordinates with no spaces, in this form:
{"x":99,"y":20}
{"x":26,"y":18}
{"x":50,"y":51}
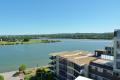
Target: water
{"x":11,"y":56}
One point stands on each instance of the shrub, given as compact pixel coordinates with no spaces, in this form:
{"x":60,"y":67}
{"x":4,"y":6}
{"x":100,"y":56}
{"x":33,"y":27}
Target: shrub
{"x":1,"y":77}
{"x":22,"y":67}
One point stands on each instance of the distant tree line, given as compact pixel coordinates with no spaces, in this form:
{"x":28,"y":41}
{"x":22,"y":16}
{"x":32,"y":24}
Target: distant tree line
{"x":14,"y":38}
{"x":62,"y":35}
{"x":81,"y":35}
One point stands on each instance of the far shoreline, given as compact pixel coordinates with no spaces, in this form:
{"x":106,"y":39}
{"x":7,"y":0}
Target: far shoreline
{"x":32,"y":41}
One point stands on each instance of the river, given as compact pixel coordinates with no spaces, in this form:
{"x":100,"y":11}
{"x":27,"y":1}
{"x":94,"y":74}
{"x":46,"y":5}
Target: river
{"x":11,"y":56}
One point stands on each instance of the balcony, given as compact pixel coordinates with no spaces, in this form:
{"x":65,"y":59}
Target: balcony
{"x":52,"y":63}
{"x":52,"y":57}
{"x":51,"y":68}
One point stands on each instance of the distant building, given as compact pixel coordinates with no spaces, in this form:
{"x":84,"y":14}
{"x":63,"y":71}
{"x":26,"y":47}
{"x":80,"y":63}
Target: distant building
{"x":98,"y":53}
{"x":109,"y":50}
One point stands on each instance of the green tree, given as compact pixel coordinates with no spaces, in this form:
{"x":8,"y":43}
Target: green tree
{"x":43,"y":74}
{"x":22,"y":67}
{"x":40,"y":73}
{"x":1,"y":77}
{"x":26,"y":40}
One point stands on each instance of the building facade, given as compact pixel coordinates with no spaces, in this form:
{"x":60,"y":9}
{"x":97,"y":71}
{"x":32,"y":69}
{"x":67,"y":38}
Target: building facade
{"x":102,"y":65}
{"x":117,"y":51}
{"x":101,"y":69}
{"x":70,"y":65}
{"x":109,"y":50}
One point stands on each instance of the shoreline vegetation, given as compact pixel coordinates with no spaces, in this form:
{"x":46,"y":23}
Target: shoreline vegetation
{"x":46,"y":38}
{"x":31,"y":41}
{"x":29,"y":73}
{"x":109,"y":35}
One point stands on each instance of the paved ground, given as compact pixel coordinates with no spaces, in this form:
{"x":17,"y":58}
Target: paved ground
{"x":8,"y":76}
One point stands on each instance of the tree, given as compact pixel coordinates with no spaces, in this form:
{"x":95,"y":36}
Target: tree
{"x":40,"y":73}
{"x":22,"y":67}
{"x":1,"y":77}
{"x":26,"y":40}
{"x":43,"y":74}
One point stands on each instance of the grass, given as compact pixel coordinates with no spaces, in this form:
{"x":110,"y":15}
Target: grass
{"x":1,"y":77}
{"x":29,"y":42}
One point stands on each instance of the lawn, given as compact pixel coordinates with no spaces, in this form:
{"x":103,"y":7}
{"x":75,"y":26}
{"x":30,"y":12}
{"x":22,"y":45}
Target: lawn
{"x":31,"y":41}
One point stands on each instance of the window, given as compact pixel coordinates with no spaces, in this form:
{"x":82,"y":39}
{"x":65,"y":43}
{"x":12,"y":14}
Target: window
{"x":70,"y":71}
{"x":70,"y":64}
{"x":105,"y":79}
{"x":93,"y":67}
{"x":118,"y":55}
{"x":118,"y":44}
{"x":76,"y":74}
{"x":109,"y":72}
{"x":69,"y":77}
{"x":77,"y":67}
{"x":99,"y":78}
{"x":118,"y":65}
{"x":92,"y":76}
{"x":115,"y":34}
{"x":100,"y":70}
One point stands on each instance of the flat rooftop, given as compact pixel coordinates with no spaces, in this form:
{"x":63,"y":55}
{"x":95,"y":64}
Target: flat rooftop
{"x":103,"y":62}
{"x":100,"y":50}
{"x":70,"y":53}
{"x":79,"y":57}
{"x":111,"y":46}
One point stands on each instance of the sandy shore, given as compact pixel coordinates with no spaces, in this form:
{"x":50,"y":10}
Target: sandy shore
{"x":8,"y":75}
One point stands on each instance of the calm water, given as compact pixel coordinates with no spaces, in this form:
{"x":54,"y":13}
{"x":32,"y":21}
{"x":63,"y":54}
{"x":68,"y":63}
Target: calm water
{"x":12,"y":56}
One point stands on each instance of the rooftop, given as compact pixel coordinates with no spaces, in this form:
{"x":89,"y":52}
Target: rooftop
{"x":103,"y":62}
{"x":83,"y":61}
{"x":111,"y":46}
{"x":70,"y":53}
{"x":100,"y":50}
{"x":79,"y":57}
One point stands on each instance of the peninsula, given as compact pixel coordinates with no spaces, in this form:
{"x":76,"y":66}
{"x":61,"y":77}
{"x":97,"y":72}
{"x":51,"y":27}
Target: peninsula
{"x":31,"y":41}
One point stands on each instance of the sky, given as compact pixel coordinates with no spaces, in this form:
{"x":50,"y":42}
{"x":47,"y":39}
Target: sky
{"x":58,"y":16}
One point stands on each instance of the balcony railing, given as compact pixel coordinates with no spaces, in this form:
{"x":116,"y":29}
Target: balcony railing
{"x":52,"y":57}
{"x":52,"y":63}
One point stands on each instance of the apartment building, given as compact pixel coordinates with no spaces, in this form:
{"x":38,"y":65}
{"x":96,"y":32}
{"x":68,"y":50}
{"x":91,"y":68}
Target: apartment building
{"x":102,"y":65}
{"x":101,"y":69}
{"x":109,"y":50}
{"x":117,"y":51}
{"x":70,"y":65}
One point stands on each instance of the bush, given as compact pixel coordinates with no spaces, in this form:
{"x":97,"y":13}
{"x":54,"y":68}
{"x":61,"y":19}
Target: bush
{"x":43,"y":74}
{"x":22,"y":67}
{"x":26,"y":40}
{"x":1,"y":77}
{"x":16,"y":74}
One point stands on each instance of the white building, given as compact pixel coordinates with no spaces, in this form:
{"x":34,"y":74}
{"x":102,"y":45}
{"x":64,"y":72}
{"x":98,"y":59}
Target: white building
{"x":82,"y":78}
{"x":69,"y":65}
{"x":117,"y":51}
